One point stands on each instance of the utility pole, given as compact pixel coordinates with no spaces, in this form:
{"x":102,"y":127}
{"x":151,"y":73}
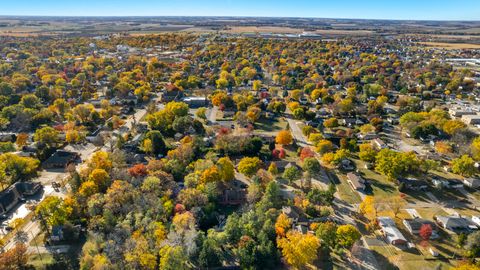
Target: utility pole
{"x":36,"y":245}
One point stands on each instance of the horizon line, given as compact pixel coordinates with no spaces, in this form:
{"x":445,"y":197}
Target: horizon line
{"x":235,"y":16}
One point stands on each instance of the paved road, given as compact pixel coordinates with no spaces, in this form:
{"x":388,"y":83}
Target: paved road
{"x":212,"y":114}
{"x":296,"y":131}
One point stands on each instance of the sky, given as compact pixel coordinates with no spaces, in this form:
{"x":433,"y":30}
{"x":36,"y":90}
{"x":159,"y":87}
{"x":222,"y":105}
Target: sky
{"x":357,"y":9}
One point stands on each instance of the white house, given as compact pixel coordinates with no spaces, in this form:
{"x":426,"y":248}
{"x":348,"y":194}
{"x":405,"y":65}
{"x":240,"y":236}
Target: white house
{"x":390,"y":231}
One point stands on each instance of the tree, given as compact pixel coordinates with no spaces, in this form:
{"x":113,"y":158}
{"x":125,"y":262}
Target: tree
{"x":475,"y":148}
{"x":253,"y":113}
{"x":327,"y":233}
{"x":191,"y":197}
{"x":210,"y":253}
{"x":53,"y":211}
{"x":369,"y":208}
{"x":173,"y":258}
{"x":464,"y":165}
{"x":100,"y":160}
{"x":210,"y":175}
{"x":367,"y":153}
{"x":138,"y":170}
{"x":14,"y":167}
{"x":284,"y":137}
{"x":15,"y":258}
{"x":324,"y":146}
{"x":347,"y":235}
{"x":451,"y":127}
{"x":425,"y":231}
{"x":156,"y":146}
{"x":299,"y":249}
{"x":21,"y":140}
{"x":201,"y":113}
{"x":395,"y":164}
{"x":226,"y":169}
{"x":282,"y":225}
{"x":306,"y":152}
{"x":249,"y":166}
{"x":292,"y":174}
{"x":472,"y":244}
{"x":446,"y":148}
{"x":273,"y":169}
{"x":311,"y":165}
{"x":101,"y":179}
{"x":331,"y":122}
{"x":46,"y":135}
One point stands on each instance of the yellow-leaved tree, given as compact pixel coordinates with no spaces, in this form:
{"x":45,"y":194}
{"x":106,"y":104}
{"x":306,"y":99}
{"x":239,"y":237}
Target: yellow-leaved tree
{"x":299,"y":249}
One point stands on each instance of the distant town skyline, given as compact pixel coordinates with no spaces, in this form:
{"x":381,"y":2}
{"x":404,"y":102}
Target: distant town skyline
{"x":347,"y":9}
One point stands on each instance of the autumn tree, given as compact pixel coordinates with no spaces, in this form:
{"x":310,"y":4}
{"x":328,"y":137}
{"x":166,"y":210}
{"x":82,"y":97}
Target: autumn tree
{"x":464,"y":165}
{"x":347,"y":235}
{"x":331,"y":122}
{"x":299,"y":249}
{"x":425,"y":232}
{"x":226,"y":169}
{"x":249,"y":165}
{"x":284,"y":137}
{"x":53,"y":211}
{"x":282,"y":225}
{"x":21,"y":140}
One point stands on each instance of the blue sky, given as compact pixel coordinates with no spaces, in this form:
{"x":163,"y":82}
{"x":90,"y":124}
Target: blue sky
{"x":365,"y":9}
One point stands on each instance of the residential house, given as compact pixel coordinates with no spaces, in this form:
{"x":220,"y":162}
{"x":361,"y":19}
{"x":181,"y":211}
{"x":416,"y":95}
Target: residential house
{"x":234,"y":196}
{"x":196,"y":102}
{"x":476,"y":220}
{"x":14,"y":194}
{"x":60,"y":159}
{"x":414,"y":225}
{"x":379,"y":144}
{"x":413,"y":184}
{"x":456,"y":224}
{"x":356,"y":181}
{"x":471,"y":119}
{"x":390,"y":231}
{"x":471,"y":182}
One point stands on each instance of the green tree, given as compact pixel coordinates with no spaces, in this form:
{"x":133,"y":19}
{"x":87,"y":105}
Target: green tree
{"x":291,"y":174}
{"x":347,"y":235}
{"x":464,"y":165}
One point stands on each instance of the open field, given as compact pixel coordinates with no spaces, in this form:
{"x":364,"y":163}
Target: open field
{"x":450,"y":46}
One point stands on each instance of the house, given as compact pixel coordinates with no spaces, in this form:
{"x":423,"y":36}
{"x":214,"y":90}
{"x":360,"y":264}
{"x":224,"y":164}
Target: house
{"x":379,"y":144}
{"x":356,"y":181}
{"x":347,"y":165}
{"x":291,"y":212}
{"x":368,"y":136}
{"x":172,"y":95}
{"x":413,"y":184}
{"x":447,"y":183}
{"x":471,"y":119}
{"x":471,"y":182}
{"x":476,"y":220}
{"x":14,"y":194}
{"x":456,"y":224}
{"x":234,"y":196}
{"x":196,"y":102}
{"x":414,"y":225}
{"x":60,"y":159}
{"x":390,"y":231}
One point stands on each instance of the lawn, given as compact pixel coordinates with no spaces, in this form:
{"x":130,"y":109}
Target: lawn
{"x":41,"y":261}
{"x":382,"y":188}
{"x":345,"y":190}
{"x":264,"y":125}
